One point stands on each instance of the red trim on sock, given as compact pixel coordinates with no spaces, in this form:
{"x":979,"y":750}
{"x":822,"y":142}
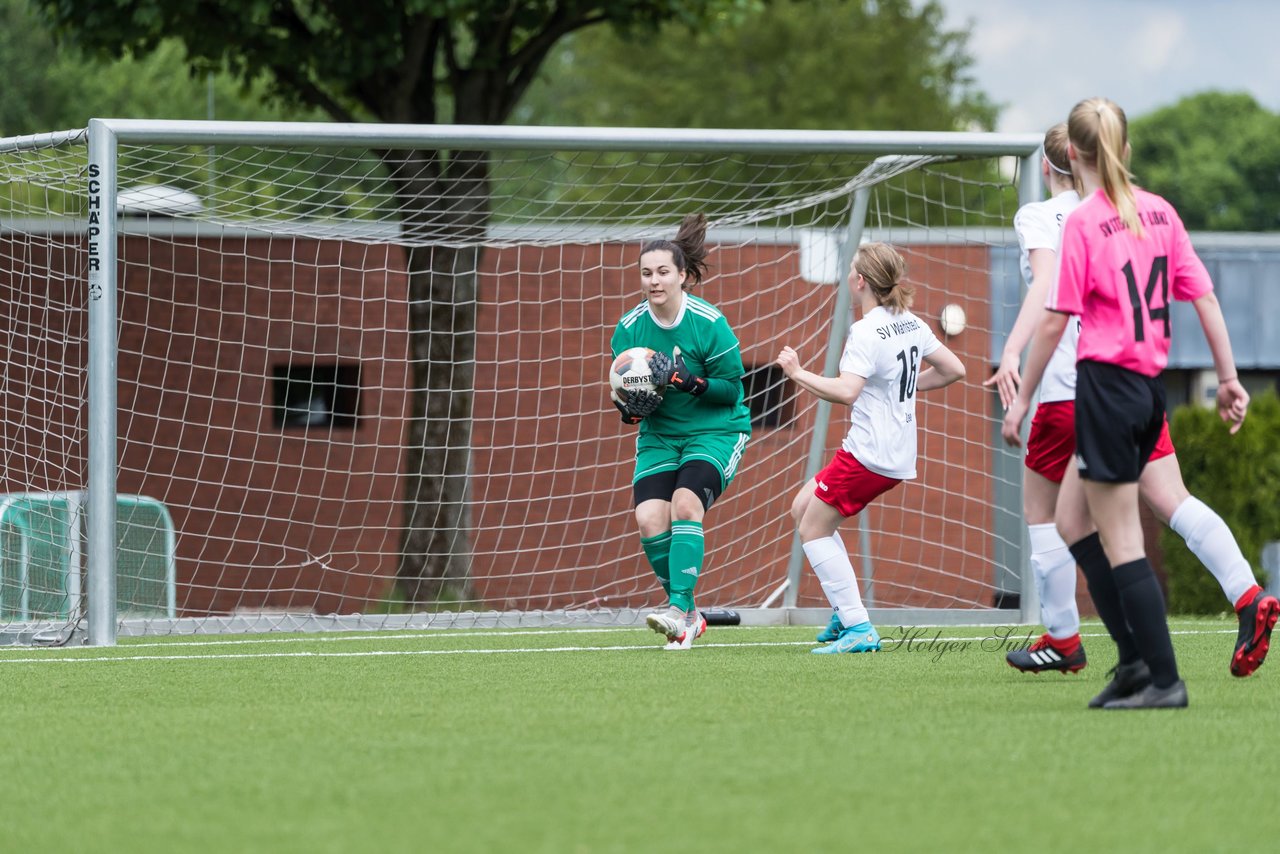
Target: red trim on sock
{"x":1066,"y":646}
{"x":1247,"y":599}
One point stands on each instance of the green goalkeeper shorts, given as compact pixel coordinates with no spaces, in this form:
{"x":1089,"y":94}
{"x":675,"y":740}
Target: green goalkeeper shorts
{"x":656,"y":454}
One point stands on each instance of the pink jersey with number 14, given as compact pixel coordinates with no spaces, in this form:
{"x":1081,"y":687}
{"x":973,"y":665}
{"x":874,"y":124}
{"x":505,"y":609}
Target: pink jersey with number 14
{"x":1121,"y":284}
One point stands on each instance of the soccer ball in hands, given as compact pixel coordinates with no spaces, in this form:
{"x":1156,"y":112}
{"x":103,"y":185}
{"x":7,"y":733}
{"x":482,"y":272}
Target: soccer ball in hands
{"x":630,"y":371}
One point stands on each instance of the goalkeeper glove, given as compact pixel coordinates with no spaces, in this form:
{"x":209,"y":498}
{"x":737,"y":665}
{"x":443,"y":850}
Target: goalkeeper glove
{"x":660,"y":367}
{"x":635,"y":404}
{"x":679,"y":374}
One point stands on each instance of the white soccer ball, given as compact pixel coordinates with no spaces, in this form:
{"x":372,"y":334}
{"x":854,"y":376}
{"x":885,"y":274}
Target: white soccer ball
{"x":952,"y":319}
{"x":630,"y":371}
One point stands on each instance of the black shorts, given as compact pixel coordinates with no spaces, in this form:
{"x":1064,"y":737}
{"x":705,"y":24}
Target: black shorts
{"x":698,"y":476}
{"x":1119,"y":416}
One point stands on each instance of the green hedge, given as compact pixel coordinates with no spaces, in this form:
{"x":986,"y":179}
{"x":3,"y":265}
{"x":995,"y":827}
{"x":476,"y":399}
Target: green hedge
{"x":1239,"y":477}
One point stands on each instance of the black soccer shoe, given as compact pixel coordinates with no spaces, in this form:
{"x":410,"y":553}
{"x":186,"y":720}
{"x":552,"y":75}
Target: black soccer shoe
{"x":1042,"y":656}
{"x":1257,"y":619}
{"x":1126,"y":680}
{"x":1151,"y":697}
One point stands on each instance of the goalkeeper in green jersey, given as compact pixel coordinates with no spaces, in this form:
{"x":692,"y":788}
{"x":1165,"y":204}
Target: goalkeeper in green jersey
{"x":693,"y":430}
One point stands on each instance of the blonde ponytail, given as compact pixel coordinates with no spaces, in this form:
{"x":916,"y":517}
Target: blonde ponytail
{"x":1099,"y":132}
{"x":883,"y":268}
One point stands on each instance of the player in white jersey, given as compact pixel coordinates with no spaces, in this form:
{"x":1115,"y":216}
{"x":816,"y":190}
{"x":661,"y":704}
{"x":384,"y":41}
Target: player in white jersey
{"x":1051,"y":444}
{"x":1051,"y":441}
{"x":879,"y":377}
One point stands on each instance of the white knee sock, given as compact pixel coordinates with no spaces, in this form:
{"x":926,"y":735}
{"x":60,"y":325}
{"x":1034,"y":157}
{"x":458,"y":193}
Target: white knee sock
{"x":831,"y":564}
{"x":1211,"y":540}
{"x":840,"y":543}
{"x":1055,"y":571}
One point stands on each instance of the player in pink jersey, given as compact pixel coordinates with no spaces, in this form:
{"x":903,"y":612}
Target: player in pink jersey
{"x":879,"y":377}
{"x":1124,"y":254}
{"x":1051,"y":444}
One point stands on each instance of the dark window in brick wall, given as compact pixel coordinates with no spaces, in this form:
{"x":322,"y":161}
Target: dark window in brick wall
{"x":314,"y":396}
{"x":765,"y":387}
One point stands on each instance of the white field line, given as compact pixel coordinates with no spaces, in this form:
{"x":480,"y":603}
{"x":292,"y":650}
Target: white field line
{"x":109,"y":654}
{"x":377,"y":652}
{"x":448,"y":634}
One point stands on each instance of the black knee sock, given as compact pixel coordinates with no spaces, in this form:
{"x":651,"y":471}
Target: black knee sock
{"x":1106,"y":598}
{"x":1144,"y":611}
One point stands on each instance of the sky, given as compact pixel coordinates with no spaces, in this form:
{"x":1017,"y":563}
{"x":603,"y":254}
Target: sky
{"x":1038,"y":59}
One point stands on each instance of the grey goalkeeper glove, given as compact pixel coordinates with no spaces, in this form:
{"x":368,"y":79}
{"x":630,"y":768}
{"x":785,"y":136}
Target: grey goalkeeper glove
{"x":635,"y":404}
{"x":661,"y":367}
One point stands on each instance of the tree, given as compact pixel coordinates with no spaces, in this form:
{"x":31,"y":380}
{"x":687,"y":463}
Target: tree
{"x":807,"y":64}
{"x":54,"y":89}
{"x":796,"y":64}
{"x":1215,"y":156}
{"x":47,"y":88}
{"x":35,"y":90}
{"x":416,"y":61}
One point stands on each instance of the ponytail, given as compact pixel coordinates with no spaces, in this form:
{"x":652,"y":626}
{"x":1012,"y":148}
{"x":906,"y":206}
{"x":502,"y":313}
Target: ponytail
{"x":1099,"y":131}
{"x":688,"y":249}
{"x":882,"y":267}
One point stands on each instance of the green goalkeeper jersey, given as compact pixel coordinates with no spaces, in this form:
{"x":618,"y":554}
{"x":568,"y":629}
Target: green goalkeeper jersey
{"x":710,"y":350}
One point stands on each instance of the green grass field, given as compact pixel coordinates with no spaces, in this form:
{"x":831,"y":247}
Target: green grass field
{"x":597,"y":740}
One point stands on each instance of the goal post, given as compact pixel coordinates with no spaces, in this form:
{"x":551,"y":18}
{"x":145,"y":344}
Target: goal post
{"x":363,"y":366}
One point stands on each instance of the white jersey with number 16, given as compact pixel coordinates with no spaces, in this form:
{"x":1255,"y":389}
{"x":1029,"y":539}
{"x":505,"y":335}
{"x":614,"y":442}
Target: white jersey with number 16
{"x":886,"y":349}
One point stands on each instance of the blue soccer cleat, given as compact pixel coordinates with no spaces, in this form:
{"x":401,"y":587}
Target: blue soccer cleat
{"x":860,"y":638}
{"x":832,"y":631}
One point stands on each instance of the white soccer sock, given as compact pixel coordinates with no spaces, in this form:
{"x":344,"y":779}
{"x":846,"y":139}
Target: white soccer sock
{"x":844,"y":550}
{"x":1211,"y":540}
{"x":831,"y":564}
{"x":1055,"y":571}
{"x":840,"y":543}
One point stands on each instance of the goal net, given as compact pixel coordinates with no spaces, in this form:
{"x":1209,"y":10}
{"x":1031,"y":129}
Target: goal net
{"x":359,"y":371}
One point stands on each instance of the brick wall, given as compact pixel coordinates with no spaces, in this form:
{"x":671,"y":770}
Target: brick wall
{"x":309,"y":520}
